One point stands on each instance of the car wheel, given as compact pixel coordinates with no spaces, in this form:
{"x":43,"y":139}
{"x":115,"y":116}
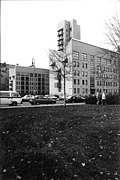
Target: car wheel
{"x":14,"y":103}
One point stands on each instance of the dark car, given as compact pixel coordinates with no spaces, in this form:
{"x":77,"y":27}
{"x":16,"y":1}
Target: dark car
{"x":75,"y":99}
{"x":42,"y":100}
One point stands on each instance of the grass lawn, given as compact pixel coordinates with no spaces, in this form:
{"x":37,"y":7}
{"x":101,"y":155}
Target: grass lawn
{"x":57,"y":143}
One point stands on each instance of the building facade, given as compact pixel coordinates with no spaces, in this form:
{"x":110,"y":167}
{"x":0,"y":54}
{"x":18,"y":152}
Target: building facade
{"x":4,"y":76}
{"x":91,"y":68}
{"x":29,"y":80}
{"x":66,"y":31}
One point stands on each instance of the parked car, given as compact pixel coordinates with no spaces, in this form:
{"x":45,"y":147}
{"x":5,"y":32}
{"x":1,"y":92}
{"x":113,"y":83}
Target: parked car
{"x":75,"y":99}
{"x":51,"y":97}
{"x":42,"y":100}
{"x":26,"y":98}
{"x":10,"y":98}
{"x":61,"y":98}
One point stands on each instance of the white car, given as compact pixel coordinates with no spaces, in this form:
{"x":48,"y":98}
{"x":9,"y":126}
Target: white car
{"x":26,"y":98}
{"x":10,"y":98}
{"x":50,"y":97}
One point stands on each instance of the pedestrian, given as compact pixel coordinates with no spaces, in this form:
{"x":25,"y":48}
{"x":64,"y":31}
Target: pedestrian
{"x":103,"y":98}
{"x":98,"y":97}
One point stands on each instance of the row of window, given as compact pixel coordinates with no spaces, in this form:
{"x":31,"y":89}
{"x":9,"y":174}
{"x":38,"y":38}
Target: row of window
{"x":92,"y":59}
{"x":77,"y":64}
{"x":32,"y":92}
{"x":106,"y":69}
{"x":106,"y":76}
{"x":84,"y":73}
{"x":77,"y":82}
{"x":99,"y":83}
{"x":31,"y":79}
{"x":31,"y":83}
{"x":77,"y":90}
{"x":31,"y":87}
{"x":108,"y":90}
{"x":32,"y":75}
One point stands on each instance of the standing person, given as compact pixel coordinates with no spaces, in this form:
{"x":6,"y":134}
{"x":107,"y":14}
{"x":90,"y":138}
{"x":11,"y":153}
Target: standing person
{"x":97,"y":96}
{"x":100,"y":98}
{"x":103,"y":98}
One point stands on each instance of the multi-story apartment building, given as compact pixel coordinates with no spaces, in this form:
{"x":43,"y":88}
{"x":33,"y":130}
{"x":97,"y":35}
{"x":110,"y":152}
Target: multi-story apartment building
{"x":29,"y":80}
{"x":66,"y":31}
{"x":4,"y":76}
{"x":91,"y":68}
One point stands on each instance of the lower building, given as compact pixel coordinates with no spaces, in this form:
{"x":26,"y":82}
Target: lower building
{"x":4,"y":76}
{"x":91,"y":68}
{"x":29,"y":80}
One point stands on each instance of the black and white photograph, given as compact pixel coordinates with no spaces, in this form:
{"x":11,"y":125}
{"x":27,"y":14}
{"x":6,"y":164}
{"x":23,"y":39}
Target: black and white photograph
{"x":60,"y":90}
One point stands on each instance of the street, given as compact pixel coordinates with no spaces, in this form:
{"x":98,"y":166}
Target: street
{"x":27,"y":104}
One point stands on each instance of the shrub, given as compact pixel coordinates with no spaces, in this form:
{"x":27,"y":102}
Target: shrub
{"x":112,"y":99}
{"x":91,"y":99}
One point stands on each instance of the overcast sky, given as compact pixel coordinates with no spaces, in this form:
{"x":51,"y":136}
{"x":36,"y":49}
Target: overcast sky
{"x":29,"y":28}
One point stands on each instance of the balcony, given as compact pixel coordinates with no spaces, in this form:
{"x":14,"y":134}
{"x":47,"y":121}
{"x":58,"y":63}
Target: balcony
{"x":60,"y":43}
{"x":60,"y":49}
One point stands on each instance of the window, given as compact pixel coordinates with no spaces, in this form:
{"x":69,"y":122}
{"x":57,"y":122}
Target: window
{"x":92,"y":59}
{"x":78,"y":73}
{"x":77,"y":64}
{"x":74,"y":63}
{"x":27,"y":78}
{"x":78,"y":90}
{"x":84,"y":57}
{"x":14,"y":94}
{"x":31,"y":74}
{"x":4,"y":94}
{"x":86,"y":74}
{"x":83,"y":73}
{"x":86,"y":65}
{"x":82,"y":65}
{"x":22,"y":78}
{"x":83,"y":82}
{"x":39,"y":75}
{"x":17,"y":74}
{"x":86,"y":82}
{"x":76,"y":55}
{"x":74,"y":90}
{"x":75,"y":73}
{"x":98,"y":60}
{"x":74,"y":81}
{"x":83,"y":90}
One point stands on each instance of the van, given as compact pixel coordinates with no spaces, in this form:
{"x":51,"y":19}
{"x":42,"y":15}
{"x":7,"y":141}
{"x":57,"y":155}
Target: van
{"x":10,"y":98}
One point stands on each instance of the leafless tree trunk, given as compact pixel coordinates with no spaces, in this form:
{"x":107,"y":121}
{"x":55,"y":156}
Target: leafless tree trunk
{"x":60,"y":64}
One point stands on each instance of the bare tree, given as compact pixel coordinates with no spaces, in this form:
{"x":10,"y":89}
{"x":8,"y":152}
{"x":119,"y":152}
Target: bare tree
{"x":113,"y":38}
{"x":107,"y":66}
{"x":61,"y":66}
{"x":113,"y":32}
